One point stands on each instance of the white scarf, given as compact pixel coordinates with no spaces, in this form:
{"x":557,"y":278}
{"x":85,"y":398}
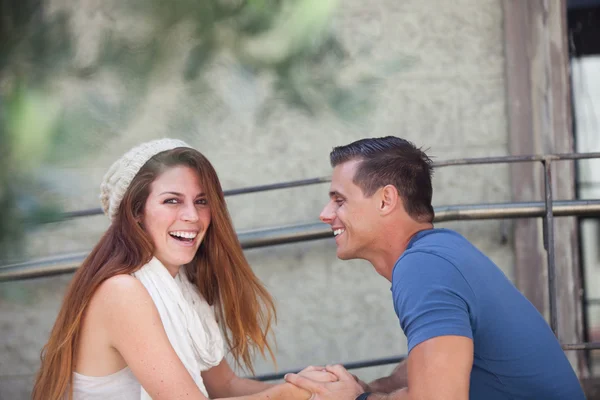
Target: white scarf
{"x":187,"y":318}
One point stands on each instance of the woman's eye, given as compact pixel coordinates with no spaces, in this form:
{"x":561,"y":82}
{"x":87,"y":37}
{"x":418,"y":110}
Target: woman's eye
{"x":202,"y":202}
{"x":171,"y":201}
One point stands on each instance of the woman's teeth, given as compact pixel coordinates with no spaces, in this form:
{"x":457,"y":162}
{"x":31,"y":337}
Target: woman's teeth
{"x":338,"y":232}
{"x":183,"y":235}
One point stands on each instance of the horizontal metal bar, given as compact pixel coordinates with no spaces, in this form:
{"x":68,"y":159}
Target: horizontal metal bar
{"x":285,"y":234}
{"x":42,"y":267}
{"x":313,"y":181}
{"x":276,"y":186}
{"x":298,"y":233}
{"x":474,"y":211}
{"x":581,"y":346}
{"x":591,"y":302}
{"x":394,"y":360}
{"x":348,"y":366}
{"x":62,"y":264}
{"x":231,"y":192}
{"x":560,"y":208}
{"x":516,"y":159}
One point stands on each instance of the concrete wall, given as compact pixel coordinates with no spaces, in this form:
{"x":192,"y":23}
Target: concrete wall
{"x":451,"y":100}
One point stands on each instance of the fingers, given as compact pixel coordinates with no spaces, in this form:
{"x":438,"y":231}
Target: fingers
{"x":340,"y":372}
{"x":313,"y":368}
{"x":320,"y":376}
{"x":304,"y":383}
{"x":330,"y":377}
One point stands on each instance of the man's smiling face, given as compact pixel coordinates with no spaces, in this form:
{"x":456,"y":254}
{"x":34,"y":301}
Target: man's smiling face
{"x":353,"y":217}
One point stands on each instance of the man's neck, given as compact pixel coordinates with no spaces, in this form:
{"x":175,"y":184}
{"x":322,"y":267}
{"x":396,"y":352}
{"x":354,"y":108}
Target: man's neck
{"x":393,"y":243}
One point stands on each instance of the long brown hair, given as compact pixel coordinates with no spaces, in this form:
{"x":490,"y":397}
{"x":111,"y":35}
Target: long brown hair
{"x":220,"y":270}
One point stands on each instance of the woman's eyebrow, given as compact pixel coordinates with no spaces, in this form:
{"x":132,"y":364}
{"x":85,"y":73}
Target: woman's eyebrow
{"x":201,"y":194}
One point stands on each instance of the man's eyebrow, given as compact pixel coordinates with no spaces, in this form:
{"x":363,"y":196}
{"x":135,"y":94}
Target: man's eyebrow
{"x":335,"y":193}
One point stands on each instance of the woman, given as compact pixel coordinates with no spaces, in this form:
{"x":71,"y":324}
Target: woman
{"x":138,"y":320}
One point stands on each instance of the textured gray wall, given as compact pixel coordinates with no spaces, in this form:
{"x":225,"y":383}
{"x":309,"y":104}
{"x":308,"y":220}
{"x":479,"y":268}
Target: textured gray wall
{"x":451,"y":99}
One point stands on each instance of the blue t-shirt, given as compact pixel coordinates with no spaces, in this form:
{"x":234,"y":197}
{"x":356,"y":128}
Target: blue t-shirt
{"x":442,"y":285}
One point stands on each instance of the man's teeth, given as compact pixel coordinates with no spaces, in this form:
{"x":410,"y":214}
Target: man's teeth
{"x":185,"y":235}
{"x":338,"y":232}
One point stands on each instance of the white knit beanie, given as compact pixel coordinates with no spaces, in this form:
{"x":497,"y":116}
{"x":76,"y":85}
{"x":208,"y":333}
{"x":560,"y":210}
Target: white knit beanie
{"x":121,"y":173}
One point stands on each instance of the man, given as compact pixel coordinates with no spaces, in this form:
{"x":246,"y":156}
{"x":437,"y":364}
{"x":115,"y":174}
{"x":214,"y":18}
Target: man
{"x":471,"y":334}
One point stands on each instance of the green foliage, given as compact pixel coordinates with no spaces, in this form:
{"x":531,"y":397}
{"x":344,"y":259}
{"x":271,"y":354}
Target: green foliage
{"x":291,"y":41}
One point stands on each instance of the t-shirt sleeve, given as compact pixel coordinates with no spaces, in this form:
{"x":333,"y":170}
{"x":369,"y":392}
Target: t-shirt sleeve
{"x":431,"y":298}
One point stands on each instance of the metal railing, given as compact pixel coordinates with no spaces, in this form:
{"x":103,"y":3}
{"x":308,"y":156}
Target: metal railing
{"x":68,"y":263}
{"x":546,"y":209}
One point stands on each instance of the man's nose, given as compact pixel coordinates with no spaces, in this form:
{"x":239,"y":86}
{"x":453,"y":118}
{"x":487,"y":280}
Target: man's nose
{"x":327,"y":215}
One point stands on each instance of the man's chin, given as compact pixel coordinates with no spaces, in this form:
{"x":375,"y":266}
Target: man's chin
{"x":344,"y":255}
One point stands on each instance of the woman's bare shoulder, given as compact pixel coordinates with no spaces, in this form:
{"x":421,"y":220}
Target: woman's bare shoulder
{"x":121,"y":292}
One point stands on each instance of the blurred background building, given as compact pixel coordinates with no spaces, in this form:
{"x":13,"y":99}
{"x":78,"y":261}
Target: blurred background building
{"x":265,"y":89}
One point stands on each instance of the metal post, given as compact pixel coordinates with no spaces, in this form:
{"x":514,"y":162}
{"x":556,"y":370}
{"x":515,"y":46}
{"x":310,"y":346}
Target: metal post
{"x":549,"y":244}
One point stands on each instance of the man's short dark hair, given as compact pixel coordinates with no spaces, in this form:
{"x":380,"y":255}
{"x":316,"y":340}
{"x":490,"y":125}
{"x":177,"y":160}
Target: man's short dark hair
{"x":391,"y":161}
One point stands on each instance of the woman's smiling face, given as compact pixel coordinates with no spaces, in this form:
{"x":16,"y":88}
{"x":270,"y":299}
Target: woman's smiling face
{"x":176,"y":216}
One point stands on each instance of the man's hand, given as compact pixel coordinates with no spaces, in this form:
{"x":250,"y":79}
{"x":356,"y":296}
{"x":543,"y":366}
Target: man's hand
{"x":364,"y":385}
{"x":345,"y":388}
{"x":398,"y":379}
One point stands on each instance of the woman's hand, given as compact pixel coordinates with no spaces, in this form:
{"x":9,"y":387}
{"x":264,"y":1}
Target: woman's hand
{"x":344,"y":387}
{"x":319,"y":374}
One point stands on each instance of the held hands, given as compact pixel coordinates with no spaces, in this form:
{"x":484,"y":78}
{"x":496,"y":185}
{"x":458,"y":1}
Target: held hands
{"x":364,"y":385}
{"x":343,"y":387}
{"x":318,"y":374}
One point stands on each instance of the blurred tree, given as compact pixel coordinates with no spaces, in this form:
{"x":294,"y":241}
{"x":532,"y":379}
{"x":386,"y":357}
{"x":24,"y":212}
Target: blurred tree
{"x":290,"y":40}
{"x":26,"y":122}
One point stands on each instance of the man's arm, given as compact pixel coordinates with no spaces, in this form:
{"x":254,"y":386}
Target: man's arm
{"x":438,"y":368}
{"x":398,"y":379}
{"x":401,"y":394}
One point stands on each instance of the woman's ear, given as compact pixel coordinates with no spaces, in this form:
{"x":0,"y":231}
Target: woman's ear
{"x":139,"y":219}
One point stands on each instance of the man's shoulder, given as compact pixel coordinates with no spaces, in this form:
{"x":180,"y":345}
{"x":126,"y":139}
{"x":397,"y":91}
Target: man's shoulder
{"x":436,"y":238}
{"x":434,"y":255}
{"x":441,"y":244}
{"x":434,"y":244}
{"x":423,"y":264}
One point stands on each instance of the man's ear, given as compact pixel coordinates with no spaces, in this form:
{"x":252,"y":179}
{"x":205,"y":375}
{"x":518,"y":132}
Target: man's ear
{"x":389,"y":199}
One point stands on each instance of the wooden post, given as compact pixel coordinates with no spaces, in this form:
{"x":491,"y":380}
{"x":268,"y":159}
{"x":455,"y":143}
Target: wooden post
{"x":539,"y":114}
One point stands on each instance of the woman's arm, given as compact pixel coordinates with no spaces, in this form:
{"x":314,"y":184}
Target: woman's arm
{"x":284,"y":391}
{"x":221,"y":381}
{"x":136,"y":331}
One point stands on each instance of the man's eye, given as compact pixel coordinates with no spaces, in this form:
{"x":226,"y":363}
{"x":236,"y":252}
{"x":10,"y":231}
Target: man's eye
{"x":339,"y":201}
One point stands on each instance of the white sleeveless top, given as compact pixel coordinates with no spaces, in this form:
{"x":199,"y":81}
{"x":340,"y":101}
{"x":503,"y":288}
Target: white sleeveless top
{"x":121,"y":385}
{"x":191,"y":327}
